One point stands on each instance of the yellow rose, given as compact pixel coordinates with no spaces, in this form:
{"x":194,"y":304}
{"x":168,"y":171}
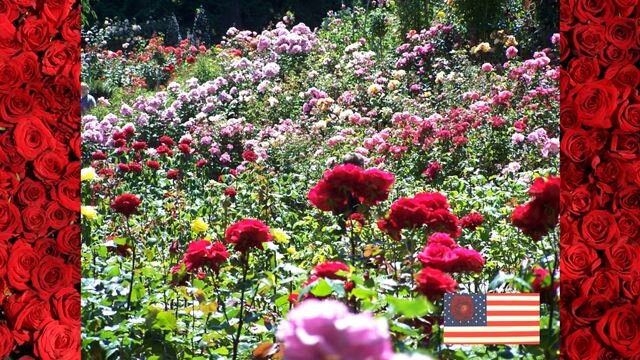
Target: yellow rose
{"x":393,"y":84}
{"x":198,"y":225}
{"x":441,"y":14}
{"x":280,"y":236}
{"x":88,"y":174}
{"x":291,"y":250}
{"x":89,"y":212}
{"x":374,"y":89}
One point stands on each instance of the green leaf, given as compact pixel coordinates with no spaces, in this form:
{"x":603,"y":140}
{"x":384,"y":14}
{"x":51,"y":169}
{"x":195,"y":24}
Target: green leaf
{"x":410,"y":308}
{"x":322,"y":288}
{"x":164,"y":320}
{"x":364,"y":294}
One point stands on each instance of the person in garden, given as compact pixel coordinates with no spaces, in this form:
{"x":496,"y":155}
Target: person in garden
{"x":87,"y":102}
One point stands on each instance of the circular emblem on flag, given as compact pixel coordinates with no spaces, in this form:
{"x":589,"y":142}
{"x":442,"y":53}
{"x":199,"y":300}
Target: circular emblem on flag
{"x":462,"y":308}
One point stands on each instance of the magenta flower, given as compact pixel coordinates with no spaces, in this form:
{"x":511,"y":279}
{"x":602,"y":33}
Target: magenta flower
{"x":327,"y":330}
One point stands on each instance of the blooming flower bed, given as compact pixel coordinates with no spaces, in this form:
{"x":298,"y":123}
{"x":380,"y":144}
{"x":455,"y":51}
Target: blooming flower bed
{"x":305,"y":191}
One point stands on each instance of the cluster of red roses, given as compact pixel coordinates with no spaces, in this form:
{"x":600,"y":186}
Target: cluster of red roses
{"x":346,"y":186}
{"x":600,"y":124}
{"x":540,"y":215}
{"x":440,"y":256}
{"x":245,"y":235}
{"x":39,"y":180}
{"x":431,"y":209}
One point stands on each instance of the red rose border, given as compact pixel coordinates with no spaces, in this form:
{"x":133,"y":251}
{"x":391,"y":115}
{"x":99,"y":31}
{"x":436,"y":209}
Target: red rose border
{"x":600,"y":171}
{"x":40,"y":303}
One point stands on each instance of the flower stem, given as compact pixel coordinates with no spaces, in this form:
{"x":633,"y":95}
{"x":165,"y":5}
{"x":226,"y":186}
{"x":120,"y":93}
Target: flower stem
{"x":133,"y":263}
{"x":236,"y":340}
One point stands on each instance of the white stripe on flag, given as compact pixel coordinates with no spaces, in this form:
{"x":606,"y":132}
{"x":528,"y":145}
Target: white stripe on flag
{"x":513,"y":298}
{"x":481,"y":329}
{"x":512,"y":307}
{"x":513,"y":318}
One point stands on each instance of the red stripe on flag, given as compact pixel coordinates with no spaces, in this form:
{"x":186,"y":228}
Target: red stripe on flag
{"x":518,"y":302}
{"x":491,"y":334}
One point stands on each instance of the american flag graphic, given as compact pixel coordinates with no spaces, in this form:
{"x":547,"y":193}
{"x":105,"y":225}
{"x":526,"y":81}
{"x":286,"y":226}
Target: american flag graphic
{"x":492,"y":319}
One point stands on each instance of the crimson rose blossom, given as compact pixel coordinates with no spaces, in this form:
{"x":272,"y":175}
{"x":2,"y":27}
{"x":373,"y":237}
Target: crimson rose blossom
{"x":203,"y":253}
{"x":434,"y":283}
{"x":126,"y":204}
{"x":247,"y":234}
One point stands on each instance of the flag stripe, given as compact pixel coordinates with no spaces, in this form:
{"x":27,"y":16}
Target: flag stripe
{"x":520,"y":302}
{"x":490,"y":333}
{"x":456,"y":329}
{"x":513,"y":318}
{"x":514,"y":296}
{"x":513,"y":323}
{"x":508,"y":313}
{"x":495,"y":340}
{"x":512,"y":307}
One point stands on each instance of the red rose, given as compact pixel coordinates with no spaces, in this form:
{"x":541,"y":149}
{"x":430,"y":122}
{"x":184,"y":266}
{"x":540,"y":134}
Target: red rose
{"x":622,"y":258}
{"x":580,"y":200}
{"x":627,"y":198}
{"x":59,"y":58}
{"x":624,"y":145}
{"x":68,"y":193}
{"x":593,"y":11}
{"x":599,"y":229}
{"x":10,"y":220}
{"x":50,"y":275}
{"x":27,"y":63}
{"x":471,"y":221}
{"x":166,"y":141}
{"x":203,"y":253}
{"x":67,"y":306}
{"x":35,"y":222}
{"x":621,"y":32}
{"x":35,"y":33}
{"x":31,"y":193}
{"x":50,"y":166}
{"x":126,"y":204}
{"x":249,"y":156}
{"x":152,"y":164}
{"x":584,"y":70}
{"x":230,"y":192}
{"x":624,"y":77}
{"x":69,"y":240}
{"x":58,"y":341}
{"x":32,"y":138}
{"x":604,"y":283}
{"x":173,"y":174}
{"x":375,"y":186}
{"x":589,"y":39}
{"x":578,"y":261}
{"x":618,"y":329}
{"x":595,"y":102}
{"x":580,"y":344}
{"x":628,"y":224}
{"x":6,"y":341}
{"x":58,"y":216}
{"x":247,"y":234}
{"x":576,"y":145}
{"x":433,"y":283}
{"x":27,"y":312}
{"x":329,"y":270}
{"x":629,"y":117}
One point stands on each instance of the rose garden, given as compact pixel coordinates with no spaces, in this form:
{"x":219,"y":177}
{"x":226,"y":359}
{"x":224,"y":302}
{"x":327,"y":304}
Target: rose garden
{"x":309,"y":193}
